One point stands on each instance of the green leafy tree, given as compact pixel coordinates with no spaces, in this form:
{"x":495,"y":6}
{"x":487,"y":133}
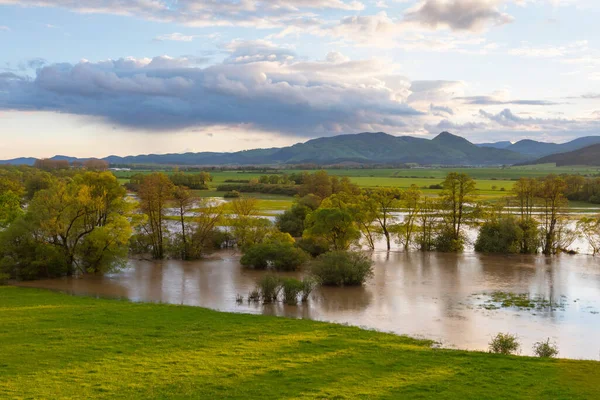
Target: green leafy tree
{"x":342,"y":268}
{"x":333,"y":225}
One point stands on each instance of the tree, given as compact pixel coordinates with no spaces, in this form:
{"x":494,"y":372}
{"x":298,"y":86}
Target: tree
{"x":551,"y":191}
{"x":292,"y":220}
{"x":10,"y":207}
{"x":205,"y":228}
{"x":184,"y":200}
{"x":458,"y":197}
{"x":385,"y":201}
{"x":589,"y":228}
{"x":334,"y":225}
{"x":410,"y":202}
{"x":427,"y":222}
{"x":154,"y":192}
{"x":79,"y":224}
{"x":249,"y":231}
{"x":525,"y":191}
{"x":244,"y":207}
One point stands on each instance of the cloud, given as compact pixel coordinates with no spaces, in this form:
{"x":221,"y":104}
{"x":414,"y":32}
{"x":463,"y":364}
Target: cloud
{"x":176,"y":37}
{"x":271,"y":94}
{"x":458,"y":15}
{"x":4,"y":28}
{"x":493,"y":100}
{"x":251,"y":13}
{"x":440,"y":110}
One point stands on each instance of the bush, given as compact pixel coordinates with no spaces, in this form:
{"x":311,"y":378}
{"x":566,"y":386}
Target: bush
{"x":447,"y":243}
{"x":342,"y":268}
{"x":308,"y":285}
{"x":291,"y":289}
{"x":545,"y":349}
{"x":4,"y":278}
{"x":313,"y":246}
{"x":503,"y":236}
{"x":436,"y":186}
{"x":280,"y":256}
{"x":505,"y":343}
{"x":233,"y":194}
{"x":269,"y":287}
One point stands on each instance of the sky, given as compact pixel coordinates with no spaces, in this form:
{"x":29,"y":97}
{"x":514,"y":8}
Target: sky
{"x":92,"y":78}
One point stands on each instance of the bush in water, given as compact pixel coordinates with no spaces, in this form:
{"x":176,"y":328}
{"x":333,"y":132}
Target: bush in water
{"x":291,"y":288}
{"x":279,"y":256}
{"x":342,"y":268}
{"x":269,"y":287}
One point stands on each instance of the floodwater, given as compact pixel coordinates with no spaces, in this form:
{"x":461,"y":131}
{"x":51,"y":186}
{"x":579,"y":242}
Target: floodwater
{"x":429,"y":295}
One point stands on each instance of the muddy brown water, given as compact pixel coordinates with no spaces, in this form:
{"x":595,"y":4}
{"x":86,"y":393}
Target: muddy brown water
{"x":432,"y":295}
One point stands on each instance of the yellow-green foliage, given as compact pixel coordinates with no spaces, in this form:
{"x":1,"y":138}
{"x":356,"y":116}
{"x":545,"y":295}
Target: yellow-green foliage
{"x":57,"y":346}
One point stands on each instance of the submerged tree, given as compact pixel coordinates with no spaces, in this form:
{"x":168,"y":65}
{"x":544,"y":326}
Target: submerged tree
{"x":458,"y":207}
{"x":385,"y":201}
{"x":551,"y":192}
{"x":155,"y":191}
{"x":411,"y":202}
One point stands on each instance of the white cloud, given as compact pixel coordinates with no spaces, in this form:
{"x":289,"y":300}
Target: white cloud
{"x":251,"y":13}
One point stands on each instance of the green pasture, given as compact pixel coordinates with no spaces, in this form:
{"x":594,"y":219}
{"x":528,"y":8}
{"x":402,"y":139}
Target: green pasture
{"x":56,"y":346}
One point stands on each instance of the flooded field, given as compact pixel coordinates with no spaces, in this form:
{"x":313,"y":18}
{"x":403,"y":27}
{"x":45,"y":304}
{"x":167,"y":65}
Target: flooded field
{"x":445,"y":297}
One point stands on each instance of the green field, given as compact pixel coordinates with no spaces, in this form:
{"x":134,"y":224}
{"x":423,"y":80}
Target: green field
{"x":493,"y":184}
{"x":58,"y":346}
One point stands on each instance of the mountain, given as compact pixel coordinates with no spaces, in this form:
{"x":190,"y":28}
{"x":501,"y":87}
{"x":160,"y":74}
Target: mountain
{"x":496,"y":145}
{"x":589,"y":155}
{"x":368,"y":148}
{"x":19,"y":161}
{"x":534,"y":148}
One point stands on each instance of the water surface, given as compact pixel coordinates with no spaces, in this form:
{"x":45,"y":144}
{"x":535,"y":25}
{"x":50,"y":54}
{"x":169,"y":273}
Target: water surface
{"x":429,"y":295}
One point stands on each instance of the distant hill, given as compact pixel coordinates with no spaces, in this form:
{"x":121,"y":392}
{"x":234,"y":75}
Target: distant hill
{"x":587,"y":156}
{"x":496,"y":145}
{"x":533,"y":148}
{"x":366,"y":148}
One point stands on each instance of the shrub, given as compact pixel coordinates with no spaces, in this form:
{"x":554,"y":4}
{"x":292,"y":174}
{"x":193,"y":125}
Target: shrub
{"x":545,"y":349}
{"x":233,"y":194}
{"x":342,"y":268}
{"x":502,"y":236}
{"x":308,"y":285}
{"x":447,"y":243}
{"x":269,"y":287}
{"x":254,"y":295}
{"x":291,"y":288}
{"x":281,"y":256}
{"x":313,"y":246}
{"x":436,"y":186}
{"x":504,"y":343}
{"x":4,"y":278}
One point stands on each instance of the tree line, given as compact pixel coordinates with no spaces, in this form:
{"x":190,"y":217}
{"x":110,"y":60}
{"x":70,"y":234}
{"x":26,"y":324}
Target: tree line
{"x":66,"y":222}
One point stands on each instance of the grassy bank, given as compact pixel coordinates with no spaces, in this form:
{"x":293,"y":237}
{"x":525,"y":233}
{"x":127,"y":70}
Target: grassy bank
{"x":58,"y":346}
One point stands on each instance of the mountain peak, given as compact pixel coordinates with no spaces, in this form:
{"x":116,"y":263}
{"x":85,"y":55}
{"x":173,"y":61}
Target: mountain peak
{"x":449,"y":137}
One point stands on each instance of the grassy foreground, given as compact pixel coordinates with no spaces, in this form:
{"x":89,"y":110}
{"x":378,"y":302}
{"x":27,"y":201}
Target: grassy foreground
{"x":58,"y":346}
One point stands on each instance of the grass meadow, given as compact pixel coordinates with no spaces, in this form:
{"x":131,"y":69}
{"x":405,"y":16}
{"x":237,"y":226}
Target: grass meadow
{"x":53,"y":346}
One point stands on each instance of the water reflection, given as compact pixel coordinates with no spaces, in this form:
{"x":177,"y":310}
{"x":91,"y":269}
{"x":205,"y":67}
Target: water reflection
{"x":430,"y":295}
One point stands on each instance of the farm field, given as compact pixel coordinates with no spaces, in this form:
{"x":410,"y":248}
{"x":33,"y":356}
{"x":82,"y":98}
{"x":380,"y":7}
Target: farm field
{"x":493,"y":183}
{"x":58,"y":346}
